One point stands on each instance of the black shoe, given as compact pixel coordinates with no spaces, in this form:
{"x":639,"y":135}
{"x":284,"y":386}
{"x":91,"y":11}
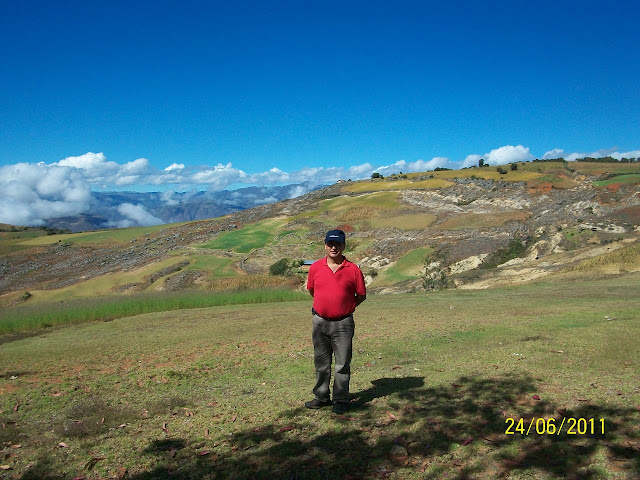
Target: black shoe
{"x":340,"y":408}
{"x":315,"y":403}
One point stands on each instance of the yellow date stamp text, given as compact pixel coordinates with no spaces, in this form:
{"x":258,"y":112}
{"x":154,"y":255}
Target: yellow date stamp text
{"x":553,"y":426}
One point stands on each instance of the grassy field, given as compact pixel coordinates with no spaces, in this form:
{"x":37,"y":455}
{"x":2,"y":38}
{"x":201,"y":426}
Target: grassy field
{"x":250,"y":237}
{"x":118,"y":235}
{"x":408,"y":267}
{"x":437,"y":378}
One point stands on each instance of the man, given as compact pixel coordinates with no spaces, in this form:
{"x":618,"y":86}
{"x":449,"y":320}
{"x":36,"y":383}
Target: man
{"x":337,"y":287}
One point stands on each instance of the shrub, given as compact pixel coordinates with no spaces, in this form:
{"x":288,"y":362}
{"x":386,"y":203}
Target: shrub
{"x":281,"y":267}
{"x":435,"y":276}
{"x":515,"y":249}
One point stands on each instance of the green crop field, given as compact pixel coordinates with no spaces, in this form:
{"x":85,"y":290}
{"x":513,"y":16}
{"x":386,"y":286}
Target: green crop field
{"x":409,"y":267}
{"x":250,"y":237}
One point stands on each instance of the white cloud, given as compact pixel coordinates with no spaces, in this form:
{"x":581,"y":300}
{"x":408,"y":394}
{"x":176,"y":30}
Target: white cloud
{"x":97,"y":170}
{"x":218,"y":177}
{"x":136,"y":216}
{"x":471,"y":160}
{"x":508,"y":154}
{"x":610,"y":152}
{"x":167,"y":198}
{"x":555,"y":153}
{"x":410,"y":167}
{"x":174,"y":166}
{"x":31,"y":193}
{"x":500,"y":156}
{"x":95,"y":162}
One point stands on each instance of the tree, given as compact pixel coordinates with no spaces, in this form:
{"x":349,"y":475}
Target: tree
{"x":375,"y":175}
{"x":481,"y":162}
{"x":514,"y":166}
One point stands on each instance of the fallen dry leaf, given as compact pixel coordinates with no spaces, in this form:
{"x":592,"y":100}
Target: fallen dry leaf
{"x":467,"y":441}
{"x":204,"y":453}
{"x":536,"y":397}
{"x":396,"y":368}
{"x":391,"y":415}
{"x":5,"y":467}
{"x":234,"y":418}
{"x":164,"y":428}
{"x":286,"y":429}
{"x":63,"y":445}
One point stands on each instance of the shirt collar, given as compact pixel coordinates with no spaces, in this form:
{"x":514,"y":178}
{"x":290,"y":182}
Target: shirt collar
{"x":345,"y":263}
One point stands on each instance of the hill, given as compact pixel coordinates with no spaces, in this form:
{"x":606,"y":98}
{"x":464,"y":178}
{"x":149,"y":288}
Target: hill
{"x":471,"y":228}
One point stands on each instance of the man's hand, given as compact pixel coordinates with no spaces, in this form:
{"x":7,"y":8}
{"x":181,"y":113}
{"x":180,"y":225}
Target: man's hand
{"x":360,"y":299}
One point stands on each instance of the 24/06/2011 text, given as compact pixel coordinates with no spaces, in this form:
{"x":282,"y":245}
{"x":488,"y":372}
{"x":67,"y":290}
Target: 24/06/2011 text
{"x":552,"y":426}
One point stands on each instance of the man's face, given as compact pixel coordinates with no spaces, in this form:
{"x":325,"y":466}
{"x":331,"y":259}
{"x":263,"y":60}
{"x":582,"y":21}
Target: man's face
{"x":334,"y":249}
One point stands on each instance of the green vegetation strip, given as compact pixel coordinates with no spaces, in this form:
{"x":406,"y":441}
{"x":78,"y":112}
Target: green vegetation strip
{"x":34,"y":317}
{"x":630,"y":179}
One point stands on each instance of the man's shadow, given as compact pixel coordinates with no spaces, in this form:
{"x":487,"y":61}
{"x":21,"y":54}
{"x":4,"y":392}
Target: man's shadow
{"x":383,"y":387}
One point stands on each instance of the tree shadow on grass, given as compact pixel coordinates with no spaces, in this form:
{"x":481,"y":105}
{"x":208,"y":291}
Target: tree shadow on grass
{"x":400,"y":425}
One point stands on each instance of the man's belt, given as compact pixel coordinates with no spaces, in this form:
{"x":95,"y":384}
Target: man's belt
{"x":336,"y":319}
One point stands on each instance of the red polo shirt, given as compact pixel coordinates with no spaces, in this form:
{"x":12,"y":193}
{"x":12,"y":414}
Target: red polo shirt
{"x":334,"y":294}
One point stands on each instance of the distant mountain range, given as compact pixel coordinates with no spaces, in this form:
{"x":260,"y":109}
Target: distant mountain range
{"x":129,"y":209}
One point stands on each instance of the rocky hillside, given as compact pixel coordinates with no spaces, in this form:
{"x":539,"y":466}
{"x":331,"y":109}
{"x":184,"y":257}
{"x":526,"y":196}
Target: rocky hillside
{"x":473,"y":228}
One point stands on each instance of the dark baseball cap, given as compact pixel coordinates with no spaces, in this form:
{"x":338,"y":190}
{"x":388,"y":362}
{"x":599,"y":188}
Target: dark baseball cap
{"x":335,"y":236}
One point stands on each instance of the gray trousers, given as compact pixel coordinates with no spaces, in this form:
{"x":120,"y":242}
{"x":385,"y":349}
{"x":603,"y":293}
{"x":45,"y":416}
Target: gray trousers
{"x":332,"y":338}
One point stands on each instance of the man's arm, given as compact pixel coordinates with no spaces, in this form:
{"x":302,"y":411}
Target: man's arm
{"x":311,"y":291}
{"x":359,"y":299}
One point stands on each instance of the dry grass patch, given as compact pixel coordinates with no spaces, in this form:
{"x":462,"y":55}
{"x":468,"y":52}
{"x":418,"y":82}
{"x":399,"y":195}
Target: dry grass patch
{"x":410,"y":221}
{"x":622,"y":260}
{"x":482,"y":220}
{"x":387,"y":184}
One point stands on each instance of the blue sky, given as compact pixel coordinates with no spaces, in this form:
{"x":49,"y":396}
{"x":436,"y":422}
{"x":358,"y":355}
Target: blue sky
{"x":168,"y":94}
